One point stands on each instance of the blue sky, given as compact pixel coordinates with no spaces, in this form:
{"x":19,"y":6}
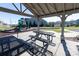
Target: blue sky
{"x":69,"y":18}
{"x":13,"y":18}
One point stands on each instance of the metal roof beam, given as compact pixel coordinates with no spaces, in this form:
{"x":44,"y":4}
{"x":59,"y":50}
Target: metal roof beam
{"x":24,"y":10}
{"x":14,"y":12}
{"x":47,"y":8}
{"x":35,"y":8}
{"x":54,"y":6}
{"x":74,"y":5}
{"x":15,"y":6}
{"x":20,"y":7}
{"x":28,"y":7}
{"x":64,"y":7}
{"x":68,"y":12}
{"x":41,"y":8}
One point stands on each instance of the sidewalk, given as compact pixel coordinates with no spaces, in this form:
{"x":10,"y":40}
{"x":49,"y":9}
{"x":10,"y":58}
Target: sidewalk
{"x":58,"y":49}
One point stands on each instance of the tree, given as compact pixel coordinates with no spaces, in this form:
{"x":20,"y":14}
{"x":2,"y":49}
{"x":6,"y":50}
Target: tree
{"x":35,"y":25}
{"x":41,"y":24}
{"x":77,"y":22}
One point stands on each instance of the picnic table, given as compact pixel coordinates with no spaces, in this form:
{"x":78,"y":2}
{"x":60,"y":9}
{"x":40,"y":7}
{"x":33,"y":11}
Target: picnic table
{"x":12,"y":46}
{"x":49,"y":36}
{"x":46,"y":42}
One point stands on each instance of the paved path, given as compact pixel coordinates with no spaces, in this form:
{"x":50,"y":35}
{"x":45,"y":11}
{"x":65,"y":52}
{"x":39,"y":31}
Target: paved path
{"x":58,"y":49}
{"x":71,"y":33}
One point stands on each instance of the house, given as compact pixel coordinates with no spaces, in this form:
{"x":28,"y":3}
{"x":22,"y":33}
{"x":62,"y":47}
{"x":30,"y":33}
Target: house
{"x":57,"y":24}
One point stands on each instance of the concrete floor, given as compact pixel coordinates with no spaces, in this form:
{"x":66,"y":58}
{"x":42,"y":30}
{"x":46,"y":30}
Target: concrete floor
{"x":58,"y":49}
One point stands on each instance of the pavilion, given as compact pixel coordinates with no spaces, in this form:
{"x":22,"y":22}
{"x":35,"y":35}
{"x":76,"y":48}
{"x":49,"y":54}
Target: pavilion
{"x":42,"y":10}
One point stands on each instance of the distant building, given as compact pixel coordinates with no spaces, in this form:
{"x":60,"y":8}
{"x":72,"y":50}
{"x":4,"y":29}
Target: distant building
{"x":70,"y":23}
{"x":2,"y":23}
{"x":57,"y":24}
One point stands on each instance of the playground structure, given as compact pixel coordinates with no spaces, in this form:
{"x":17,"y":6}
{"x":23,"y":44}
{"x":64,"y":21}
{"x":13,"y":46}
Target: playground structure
{"x":22,"y":23}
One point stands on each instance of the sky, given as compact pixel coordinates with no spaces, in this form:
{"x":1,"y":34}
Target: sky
{"x":69,"y":18}
{"x":13,"y":18}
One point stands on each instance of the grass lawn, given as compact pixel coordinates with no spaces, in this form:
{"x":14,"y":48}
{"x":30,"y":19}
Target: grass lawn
{"x":54,"y":29}
{"x":4,"y":27}
{"x":72,"y":28}
{"x":58,"y":29}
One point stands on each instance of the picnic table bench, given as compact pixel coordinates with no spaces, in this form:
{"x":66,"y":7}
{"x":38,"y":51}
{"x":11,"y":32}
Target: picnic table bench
{"x":46,"y":42}
{"x":10,"y":46}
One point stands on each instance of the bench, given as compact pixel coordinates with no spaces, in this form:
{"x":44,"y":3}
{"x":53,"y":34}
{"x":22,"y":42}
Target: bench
{"x":42,"y":40}
{"x":9,"y":45}
{"x":32,"y":36}
{"x":35,"y":49}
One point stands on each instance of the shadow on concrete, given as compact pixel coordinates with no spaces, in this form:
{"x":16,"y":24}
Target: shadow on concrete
{"x":67,"y":53}
{"x":11,"y":46}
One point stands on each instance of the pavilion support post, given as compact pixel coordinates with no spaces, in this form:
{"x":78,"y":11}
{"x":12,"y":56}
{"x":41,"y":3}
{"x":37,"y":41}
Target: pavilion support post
{"x":67,"y":53}
{"x":38,"y":25}
{"x":62,"y":27}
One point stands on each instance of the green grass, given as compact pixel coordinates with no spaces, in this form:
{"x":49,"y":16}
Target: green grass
{"x":58,"y":29}
{"x":72,"y":28}
{"x":4,"y":27}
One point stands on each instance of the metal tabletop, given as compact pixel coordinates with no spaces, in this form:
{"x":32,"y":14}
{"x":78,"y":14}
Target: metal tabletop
{"x":44,"y":33}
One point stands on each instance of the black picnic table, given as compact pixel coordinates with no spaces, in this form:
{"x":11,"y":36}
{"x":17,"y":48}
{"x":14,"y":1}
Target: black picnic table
{"x":13,"y":46}
{"x":49,"y":36}
{"x":46,"y":42}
